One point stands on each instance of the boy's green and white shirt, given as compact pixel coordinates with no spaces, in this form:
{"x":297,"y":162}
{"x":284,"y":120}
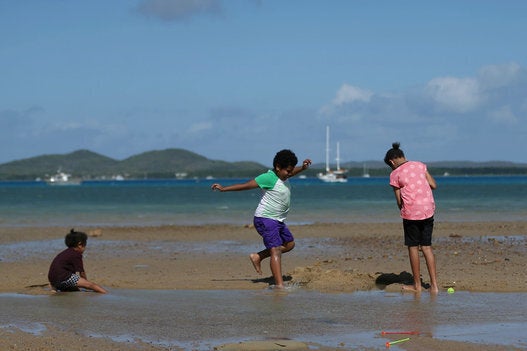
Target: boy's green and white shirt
{"x":276,"y":197}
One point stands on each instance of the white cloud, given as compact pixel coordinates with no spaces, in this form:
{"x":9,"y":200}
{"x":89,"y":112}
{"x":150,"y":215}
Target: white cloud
{"x":348,"y":94}
{"x":495,"y":76}
{"x":454,"y":94}
{"x":444,"y":118}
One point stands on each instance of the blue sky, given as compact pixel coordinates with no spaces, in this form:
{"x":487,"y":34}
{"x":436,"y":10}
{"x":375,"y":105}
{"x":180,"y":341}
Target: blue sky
{"x":241,"y":79}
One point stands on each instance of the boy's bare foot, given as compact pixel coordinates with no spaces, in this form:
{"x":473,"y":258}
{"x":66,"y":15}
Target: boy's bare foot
{"x":255,"y":260}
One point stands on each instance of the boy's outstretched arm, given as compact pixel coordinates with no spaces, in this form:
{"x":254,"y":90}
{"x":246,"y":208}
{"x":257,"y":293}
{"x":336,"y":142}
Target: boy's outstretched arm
{"x":298,"y":169}
{"x":251,"y":184}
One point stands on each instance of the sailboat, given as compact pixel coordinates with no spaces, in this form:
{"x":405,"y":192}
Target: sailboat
{"x":365,"y":173}
{"x":337,"y":176}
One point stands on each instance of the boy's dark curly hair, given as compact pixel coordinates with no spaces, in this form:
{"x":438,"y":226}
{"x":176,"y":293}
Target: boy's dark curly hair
{"x":285,"y":158}
{"x":74,"y":238}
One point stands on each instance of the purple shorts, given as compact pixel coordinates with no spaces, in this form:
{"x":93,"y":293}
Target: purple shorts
{"x":273,"y":232}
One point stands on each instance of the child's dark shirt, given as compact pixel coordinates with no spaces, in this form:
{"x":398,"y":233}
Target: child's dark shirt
{"x":64,"y":265}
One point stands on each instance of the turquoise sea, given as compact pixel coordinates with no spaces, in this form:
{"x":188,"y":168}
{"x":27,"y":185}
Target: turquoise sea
{"x":192,"y":202}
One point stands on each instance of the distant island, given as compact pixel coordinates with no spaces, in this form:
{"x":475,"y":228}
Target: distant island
{"x":184,"y":164}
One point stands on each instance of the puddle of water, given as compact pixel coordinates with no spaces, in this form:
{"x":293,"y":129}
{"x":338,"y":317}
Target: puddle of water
{"x":512,"y":333}
{"x":200,"y":320}
{"x":515,"y":240}
{"x":13,"y":252}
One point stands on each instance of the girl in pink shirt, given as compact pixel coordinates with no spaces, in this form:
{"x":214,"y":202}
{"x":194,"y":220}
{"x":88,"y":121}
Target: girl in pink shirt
{"x":412,"y":186}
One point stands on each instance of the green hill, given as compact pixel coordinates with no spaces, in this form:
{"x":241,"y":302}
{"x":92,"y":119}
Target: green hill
{"x":178,"y":162}
{"x":153,"y":164}
{"x":81,"y":163}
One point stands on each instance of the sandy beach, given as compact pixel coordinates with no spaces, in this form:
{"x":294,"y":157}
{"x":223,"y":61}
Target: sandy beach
{"x":475,"y":256}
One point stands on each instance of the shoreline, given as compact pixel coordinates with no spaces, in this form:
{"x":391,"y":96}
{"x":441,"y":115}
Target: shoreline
{"x":471,"y":256}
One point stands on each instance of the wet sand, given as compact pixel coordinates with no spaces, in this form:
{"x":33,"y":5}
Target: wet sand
{"x":328,"y":258}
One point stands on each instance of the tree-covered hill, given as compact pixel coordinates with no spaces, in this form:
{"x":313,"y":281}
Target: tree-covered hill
{"x":79,"y":163}
{"x":172,"y":163}
{"x":85,"y":164}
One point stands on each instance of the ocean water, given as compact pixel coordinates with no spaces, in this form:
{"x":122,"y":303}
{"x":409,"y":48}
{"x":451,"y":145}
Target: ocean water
{"x":192,"y":202}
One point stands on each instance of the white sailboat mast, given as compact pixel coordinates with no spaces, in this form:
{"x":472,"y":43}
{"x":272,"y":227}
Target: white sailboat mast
{"x":327,"y":148}
{"x":338,"y":156}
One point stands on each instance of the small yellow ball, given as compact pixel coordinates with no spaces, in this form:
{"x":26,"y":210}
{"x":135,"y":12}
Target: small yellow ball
{"x":450,"y":290}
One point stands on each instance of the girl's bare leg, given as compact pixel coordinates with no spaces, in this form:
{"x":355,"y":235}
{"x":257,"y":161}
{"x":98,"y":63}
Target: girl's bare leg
{"x":413,"y":254}
{"x":431,"y":265}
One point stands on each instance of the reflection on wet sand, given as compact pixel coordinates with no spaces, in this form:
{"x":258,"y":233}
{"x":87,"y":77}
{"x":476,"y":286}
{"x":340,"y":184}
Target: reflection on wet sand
{"x":199,"y":320}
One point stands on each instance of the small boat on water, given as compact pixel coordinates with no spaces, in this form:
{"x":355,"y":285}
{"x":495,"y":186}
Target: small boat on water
{"x":333,"y":176}
{"x":62,"y":178}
